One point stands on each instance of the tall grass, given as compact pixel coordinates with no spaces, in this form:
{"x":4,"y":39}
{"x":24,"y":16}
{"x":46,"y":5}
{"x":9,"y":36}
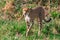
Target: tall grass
{"x":13,"y":30}
{"x":9,"y":30}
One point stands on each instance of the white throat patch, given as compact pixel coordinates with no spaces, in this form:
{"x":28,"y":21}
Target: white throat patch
{"x":27,"y":18}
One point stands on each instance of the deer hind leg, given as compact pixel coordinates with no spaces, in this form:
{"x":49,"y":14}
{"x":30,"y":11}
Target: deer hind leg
{"x":29,"y":25}
{"x":40,"y":26}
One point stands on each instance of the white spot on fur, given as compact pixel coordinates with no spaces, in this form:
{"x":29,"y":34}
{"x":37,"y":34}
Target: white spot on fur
{"x":27,"y":18}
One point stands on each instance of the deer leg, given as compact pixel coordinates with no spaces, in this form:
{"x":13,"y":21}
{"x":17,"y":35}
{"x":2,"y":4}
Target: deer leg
{"x":40,"y":26}
{"x":29,"y":25}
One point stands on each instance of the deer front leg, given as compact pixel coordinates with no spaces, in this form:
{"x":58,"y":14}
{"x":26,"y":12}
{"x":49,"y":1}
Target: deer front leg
{"x":40,"y":26}
{"x":29,"y":25}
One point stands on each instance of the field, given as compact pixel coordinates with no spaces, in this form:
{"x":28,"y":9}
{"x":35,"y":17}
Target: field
{"x":11,"y":29}
{"x":14,"y":30}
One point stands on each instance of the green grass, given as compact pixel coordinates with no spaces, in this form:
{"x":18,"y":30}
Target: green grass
{"x":9,"y":29}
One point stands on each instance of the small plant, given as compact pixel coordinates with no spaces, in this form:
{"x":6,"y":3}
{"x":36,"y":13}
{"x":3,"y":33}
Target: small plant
{"x":54,"y":14}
